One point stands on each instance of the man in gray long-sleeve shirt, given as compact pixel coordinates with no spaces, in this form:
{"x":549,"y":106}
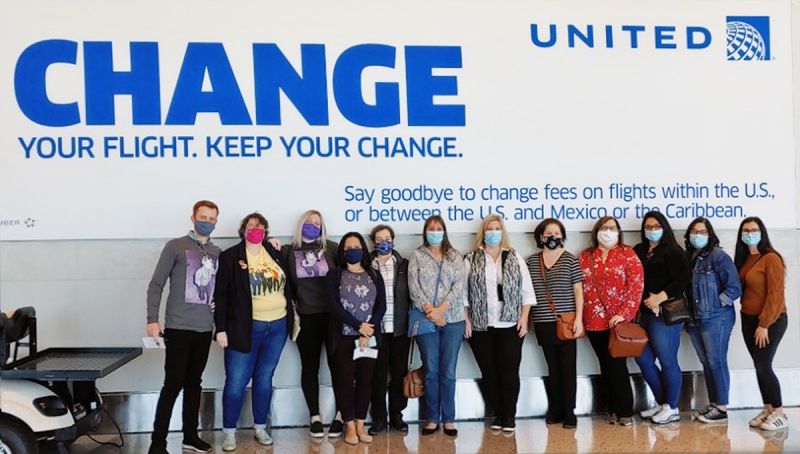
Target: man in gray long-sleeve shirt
{"x":190,"y":264}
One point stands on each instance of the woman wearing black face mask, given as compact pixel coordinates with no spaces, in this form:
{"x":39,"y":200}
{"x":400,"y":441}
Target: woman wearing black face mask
{"x":557,"y":280}
{"x":357,"y":301}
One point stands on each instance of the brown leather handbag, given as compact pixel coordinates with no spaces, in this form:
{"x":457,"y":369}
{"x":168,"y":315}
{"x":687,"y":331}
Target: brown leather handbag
{"x":565,"y":322}
{"x":414,"y":381}
{"x":627,"y":340}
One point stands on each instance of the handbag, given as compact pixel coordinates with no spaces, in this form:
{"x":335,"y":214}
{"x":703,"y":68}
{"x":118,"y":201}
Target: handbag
{"x":565,"y":322}
{"x":418,"y":323}
{"x":675,"y":310}
{"x":414,"y":380}
{"x":626,"y":340}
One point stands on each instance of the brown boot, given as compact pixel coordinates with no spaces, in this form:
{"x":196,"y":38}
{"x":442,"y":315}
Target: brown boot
{"x":350,"y":434}
{"x":363,"y":436}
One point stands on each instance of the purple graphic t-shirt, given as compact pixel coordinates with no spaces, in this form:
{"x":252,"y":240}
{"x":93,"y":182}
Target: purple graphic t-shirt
{"x":310,"y":263}
{"x":357,"y":294}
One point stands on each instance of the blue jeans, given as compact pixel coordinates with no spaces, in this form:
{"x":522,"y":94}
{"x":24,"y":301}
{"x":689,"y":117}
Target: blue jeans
{"x":439,"y":351}
{"x":268,"y":341}
{"x":710,"y":337}
{"x":665,"y":378}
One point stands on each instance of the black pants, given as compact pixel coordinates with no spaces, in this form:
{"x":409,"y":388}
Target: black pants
{"x":313,"y":334}
{"x":390,"y":368}
{"x":616,"y":382}
{"x":498,"y":352}
{"x":562,"y":375}
{"x":186,"y":358}
{"x":352,"y":383}
{"x":762,"y":357}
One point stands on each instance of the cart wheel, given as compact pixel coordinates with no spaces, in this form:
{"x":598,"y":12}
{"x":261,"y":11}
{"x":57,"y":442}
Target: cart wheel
{"x":16,"y":438}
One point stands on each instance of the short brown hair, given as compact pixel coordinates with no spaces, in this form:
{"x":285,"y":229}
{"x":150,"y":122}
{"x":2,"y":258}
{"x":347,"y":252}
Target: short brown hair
{"x":257,"y":216}
{"x":378,"y":228}
{"x":204,"y":203}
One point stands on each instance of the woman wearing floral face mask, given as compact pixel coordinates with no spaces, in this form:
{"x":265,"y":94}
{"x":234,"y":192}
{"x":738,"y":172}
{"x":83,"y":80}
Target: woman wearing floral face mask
{"x":500,"y":295}
{"x":437,"y":281}
{"x":252,"y":317}
{"x":310,"y":256}
{"x":715,"y":286}
{"x":392,"y":363}
{"x":558,"y":282}
{"x":762,"y":272}
{"x":613,"y":280}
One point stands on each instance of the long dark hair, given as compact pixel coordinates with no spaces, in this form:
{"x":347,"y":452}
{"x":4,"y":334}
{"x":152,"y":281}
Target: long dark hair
{"x":668,"y":239}
{"x":446,"y":246}
{"x":341,"y":262}
{"x":713,"y":240}
{"x":764,"y":246}
{"x":595,"y":242}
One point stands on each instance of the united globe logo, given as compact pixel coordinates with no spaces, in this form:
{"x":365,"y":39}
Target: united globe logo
{"x":748,"y":38}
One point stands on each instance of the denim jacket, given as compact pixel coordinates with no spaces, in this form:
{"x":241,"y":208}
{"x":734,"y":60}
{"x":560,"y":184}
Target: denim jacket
{"x":715,"y":283}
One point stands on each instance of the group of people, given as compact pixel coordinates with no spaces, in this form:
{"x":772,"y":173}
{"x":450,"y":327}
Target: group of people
{"x":367,"y":307}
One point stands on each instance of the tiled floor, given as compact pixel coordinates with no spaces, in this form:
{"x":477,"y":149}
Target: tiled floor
{"x":532,"y":436}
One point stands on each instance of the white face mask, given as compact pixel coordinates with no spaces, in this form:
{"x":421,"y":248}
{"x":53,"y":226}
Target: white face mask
{"x":608,"y":238}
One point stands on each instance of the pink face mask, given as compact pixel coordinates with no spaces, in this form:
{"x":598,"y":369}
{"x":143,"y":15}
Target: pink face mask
{"x":255,"y":236}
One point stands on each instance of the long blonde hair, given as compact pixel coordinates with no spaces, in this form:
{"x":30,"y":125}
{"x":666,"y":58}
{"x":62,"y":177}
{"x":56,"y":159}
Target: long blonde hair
{"x":297,"y":238}
{"x":504,"y":244}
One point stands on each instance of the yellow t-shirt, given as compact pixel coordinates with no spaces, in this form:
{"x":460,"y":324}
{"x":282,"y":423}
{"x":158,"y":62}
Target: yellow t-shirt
{"x":267,"y":281}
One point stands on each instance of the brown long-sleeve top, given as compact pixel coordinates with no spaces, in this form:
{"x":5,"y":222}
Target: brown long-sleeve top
{"x":763,"y":288}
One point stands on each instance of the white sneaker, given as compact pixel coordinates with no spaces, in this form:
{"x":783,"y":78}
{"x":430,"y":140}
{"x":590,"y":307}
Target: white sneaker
{"x":759,"y":419}
{"x":229,"y":442}
{"x":775,"y":421}
{"x":647,"y":414}
{"x":666,"y":415}
{"x":263,"y":437}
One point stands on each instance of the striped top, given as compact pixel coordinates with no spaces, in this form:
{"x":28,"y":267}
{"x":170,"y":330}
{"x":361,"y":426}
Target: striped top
{"x":561,"y":278}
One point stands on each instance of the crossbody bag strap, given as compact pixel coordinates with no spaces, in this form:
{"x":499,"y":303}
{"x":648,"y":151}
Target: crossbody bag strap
{"x":411,"y":353}
{"x":546,"y":288}
{"x":438,"y":276}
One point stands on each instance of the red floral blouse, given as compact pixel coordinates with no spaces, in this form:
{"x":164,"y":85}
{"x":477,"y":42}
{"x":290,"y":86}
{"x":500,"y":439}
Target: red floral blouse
{"x":620,"y":280}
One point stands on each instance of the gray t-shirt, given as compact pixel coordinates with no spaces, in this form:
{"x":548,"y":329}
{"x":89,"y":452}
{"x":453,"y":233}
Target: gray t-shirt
{"x":191,"y":268}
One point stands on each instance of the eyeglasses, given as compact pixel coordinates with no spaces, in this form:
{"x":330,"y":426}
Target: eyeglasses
{"x":651,"y":228}
{"x":606,"y":228}
{"x":698,"y":232}
{"x":751,"y":230}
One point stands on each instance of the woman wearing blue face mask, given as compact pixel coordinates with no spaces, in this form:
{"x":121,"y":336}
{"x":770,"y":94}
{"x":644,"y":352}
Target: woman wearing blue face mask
{"x":762,"y":273}
{"x":437,"y":282}
{"x":357,"y":300}
{"x":310,"y":256}
{"x":666,"y":276}
{"x":392,"y":363}
{"x":715,"y":286}
{"x":500,"y":295}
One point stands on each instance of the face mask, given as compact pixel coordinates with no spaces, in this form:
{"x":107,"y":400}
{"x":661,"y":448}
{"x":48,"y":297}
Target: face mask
{"x":255,"y":236}
{"x":435,"y":238}
{"x":608,"y":238}
{"x":493,"y":237}
{"x":353,"y":256}
{"x":751,"y":239}
{"x":204,"y":228}
{"x":553,"y":242}
{"x":384,"y":247}
{"x":654,"y":236}
{"x":311,"y":231}
{"x":698,"y":241}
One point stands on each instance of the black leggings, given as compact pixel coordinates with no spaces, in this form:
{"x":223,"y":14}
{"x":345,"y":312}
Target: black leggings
{"x":614,"y":376}
{"x":762,"y":357}
{"x":353,"y":380}
{"x":313,"y":334}
{"x":498,"y":352}
{"x":562,"y":376}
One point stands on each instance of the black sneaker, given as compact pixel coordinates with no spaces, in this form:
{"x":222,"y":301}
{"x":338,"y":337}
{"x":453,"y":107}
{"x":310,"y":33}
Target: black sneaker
{"x":195,"y":444}
{"x":714,"y":416}
{"x":399,"y":424}
{"x":496,"y":424}
{"x":377,"y":427}
{"x":570,"y":422}
{"x":553,"y":419}
{"x":336,"y":428}
{"x":316,"y":430}
{"x":158,"y":448}
{"x":509,"y":425}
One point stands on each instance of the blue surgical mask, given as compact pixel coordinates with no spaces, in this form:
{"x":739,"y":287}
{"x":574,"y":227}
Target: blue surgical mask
{"x":752,"y":238}
{"x":204,"y":228}
{"x":493,"y":237}
{"x":384,"y":247}
{"x":435,"y":238}
{"x":654,"y":236}
{"x":353,"y":256}
{"x":698,"y":241}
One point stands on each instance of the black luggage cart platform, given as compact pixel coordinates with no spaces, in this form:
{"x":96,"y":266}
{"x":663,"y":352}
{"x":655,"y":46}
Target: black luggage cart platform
{"x":70,"y":364}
